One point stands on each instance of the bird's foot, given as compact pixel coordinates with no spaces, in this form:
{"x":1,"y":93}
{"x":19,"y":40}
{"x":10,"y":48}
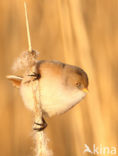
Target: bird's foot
{"x":36,"y":76}
{"x":39,"y":127}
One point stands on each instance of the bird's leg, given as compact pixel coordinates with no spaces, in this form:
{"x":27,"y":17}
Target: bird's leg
{"x":39,"y":123}
{"x":40,"y":126}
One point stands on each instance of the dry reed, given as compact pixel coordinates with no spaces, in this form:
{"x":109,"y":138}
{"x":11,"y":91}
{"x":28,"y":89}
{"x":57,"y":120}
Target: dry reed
{"x":24,"y":63}
{"x":87,"y":27}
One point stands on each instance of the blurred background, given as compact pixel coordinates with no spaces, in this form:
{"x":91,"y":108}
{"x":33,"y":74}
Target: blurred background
{"x":78,"y":32}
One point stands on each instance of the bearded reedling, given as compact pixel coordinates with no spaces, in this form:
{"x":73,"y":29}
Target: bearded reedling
{"x":60,"y":87}
{"x":50,"y":87}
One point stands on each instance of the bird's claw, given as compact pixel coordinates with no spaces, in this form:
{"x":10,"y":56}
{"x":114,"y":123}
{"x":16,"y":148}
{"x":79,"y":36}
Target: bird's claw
{"x":36,"y":76}
{"x":39,"y":127}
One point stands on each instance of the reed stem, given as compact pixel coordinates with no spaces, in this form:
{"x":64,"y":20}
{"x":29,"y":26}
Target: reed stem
{"x":27,"y":27}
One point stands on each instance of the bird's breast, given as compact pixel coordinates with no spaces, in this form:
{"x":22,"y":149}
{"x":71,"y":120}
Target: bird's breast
{"x":56,"y":98}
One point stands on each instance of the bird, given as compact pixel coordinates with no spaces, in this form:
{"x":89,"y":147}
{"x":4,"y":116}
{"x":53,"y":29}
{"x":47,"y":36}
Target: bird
{"x":58,"y":87}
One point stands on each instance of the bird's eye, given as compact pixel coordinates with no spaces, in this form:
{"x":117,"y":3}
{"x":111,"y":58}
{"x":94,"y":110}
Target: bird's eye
{"x":78,"y":84}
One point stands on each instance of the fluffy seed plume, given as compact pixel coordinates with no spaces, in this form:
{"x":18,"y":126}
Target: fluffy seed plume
{"x":41,"y":142}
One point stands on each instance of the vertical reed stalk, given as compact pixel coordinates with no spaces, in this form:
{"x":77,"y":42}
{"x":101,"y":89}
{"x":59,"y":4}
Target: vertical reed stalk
{"x":40,"y":137}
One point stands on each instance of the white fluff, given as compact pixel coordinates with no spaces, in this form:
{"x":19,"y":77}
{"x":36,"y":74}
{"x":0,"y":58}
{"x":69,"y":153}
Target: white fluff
{"x":42,"y":145}
{"x":29,"y":92}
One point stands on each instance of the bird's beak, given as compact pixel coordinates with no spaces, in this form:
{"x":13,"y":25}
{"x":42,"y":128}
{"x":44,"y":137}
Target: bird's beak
{"x":85,"y":90}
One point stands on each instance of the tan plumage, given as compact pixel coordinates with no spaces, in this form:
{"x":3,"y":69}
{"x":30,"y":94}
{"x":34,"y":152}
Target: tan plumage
{"x":51,"y":88}
{"x":60,"y":86}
